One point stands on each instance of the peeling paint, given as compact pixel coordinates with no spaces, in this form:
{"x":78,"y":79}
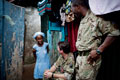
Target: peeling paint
{"x":13,"y":37}
{"x":15,"y":65}
{"x":13,"y":42}
{"x":9,"y":20}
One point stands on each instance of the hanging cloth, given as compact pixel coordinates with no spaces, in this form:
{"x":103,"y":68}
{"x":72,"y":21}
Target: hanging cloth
{"x":44,"y":6}
{"x":68,"y":6}
{"x":69,"y":14}
{"x":62,"y":14}
{"x":72,"y":29}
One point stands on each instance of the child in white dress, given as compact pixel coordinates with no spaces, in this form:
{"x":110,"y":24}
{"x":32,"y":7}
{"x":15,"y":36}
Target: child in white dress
{"x":40,"y":52}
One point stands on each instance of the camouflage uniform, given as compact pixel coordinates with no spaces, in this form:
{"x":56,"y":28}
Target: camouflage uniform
{"x":90,"y":33}
{"x":65,"y":67}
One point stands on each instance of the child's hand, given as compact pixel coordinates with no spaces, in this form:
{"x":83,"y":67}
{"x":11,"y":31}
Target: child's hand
{"x":34,"y":51}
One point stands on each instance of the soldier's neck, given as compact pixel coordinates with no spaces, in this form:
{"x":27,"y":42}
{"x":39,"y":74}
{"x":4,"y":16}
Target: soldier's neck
{"x":65,"y":56}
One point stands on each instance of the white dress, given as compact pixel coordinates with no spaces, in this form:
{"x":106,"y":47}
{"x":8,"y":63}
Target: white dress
{"x":42,"y":60}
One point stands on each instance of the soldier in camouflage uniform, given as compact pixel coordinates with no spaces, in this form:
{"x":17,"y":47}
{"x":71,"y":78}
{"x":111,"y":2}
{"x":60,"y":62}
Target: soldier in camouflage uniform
{"x":89,"y":40}
{"x":63,"y":68}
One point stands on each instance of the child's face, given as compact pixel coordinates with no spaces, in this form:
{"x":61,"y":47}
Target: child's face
{"x":39,"y":39}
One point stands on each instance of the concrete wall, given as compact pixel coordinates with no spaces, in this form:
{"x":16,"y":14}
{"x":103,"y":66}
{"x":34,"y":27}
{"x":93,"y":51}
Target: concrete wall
{"x":32,"y":25}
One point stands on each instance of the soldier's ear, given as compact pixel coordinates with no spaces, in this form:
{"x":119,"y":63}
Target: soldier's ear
{"x":61,"y":51}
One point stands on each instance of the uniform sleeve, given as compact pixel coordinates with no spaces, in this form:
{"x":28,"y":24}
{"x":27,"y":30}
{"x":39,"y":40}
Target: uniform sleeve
{"x":106,"y":27}
{"x":70,"y":69}
{"x":58,"y":62}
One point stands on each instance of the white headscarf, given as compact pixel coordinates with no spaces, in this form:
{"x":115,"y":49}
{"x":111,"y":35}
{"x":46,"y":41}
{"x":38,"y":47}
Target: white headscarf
{"x":100,"y":7}
{"x":38,"y":33}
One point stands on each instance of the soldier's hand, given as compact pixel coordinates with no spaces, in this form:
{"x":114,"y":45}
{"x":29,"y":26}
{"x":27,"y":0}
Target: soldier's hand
{"x":48,"y":75}
{"x":92,"y":58}
{"x":46,"y":71}
{"x":93,"y":54}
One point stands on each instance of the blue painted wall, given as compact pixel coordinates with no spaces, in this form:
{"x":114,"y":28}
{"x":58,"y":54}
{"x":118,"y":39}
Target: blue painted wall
{"x":13,"y":42}
{"x":2,"y":75}
{"x":1,"y":18}
{"x":55,"y":34}
{"x":55,"y":26}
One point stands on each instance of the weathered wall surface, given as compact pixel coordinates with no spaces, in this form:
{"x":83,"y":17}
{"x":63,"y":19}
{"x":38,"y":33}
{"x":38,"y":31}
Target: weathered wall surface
{"x":1,"y":24}
{"x":55,"y":34}
{"x":32,"y":25}
{"x":12,"y":42}
{"x":54,"y":54}
{"x":0,"y":57}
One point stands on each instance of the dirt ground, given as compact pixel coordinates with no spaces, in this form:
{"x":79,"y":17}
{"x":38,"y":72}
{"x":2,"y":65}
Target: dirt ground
{"x":28,"y":72}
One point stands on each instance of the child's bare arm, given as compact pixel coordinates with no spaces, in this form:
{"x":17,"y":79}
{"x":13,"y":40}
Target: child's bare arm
{"x":47,"y":49}
{"x":34,"y":53}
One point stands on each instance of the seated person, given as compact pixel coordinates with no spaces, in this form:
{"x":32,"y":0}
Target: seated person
{"x":63,"y":68}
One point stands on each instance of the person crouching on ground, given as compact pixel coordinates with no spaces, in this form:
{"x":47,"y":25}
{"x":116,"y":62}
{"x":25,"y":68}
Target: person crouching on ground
{"x":63,"y":68}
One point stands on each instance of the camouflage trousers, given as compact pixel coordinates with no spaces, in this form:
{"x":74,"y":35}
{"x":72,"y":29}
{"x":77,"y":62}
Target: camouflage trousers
{"x":85,"y":71}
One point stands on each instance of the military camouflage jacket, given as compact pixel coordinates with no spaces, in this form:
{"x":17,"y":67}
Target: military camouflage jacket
{"x":91,"y":30}
{"x":65,"y":67}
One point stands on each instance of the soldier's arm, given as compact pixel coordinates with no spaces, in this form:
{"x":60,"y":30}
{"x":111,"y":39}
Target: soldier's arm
{"x":53,"y":75}
{"x":59,"y":76}
{"x":52,"y":69}
{"x":107,"y":42}
{"x":112,"y":33}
